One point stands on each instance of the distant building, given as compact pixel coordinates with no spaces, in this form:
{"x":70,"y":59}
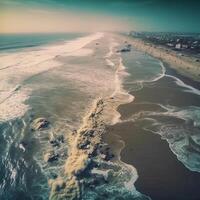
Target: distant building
{"x":178,"y":46}
{"x":185,"y":46}
{"x":170,"y":44}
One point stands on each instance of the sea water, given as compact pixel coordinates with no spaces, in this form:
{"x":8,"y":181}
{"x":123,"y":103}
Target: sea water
{"x":59,"y":81}
{"x":177,"y":120}
{"x":36,"y":82}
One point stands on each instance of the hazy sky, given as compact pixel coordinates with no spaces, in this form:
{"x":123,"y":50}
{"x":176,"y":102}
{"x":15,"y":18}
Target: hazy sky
{"x":101,"y":15}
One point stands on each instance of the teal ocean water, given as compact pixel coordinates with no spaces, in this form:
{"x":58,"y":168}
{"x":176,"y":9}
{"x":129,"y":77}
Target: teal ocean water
{"x":58,"y":77}
{"x":30,"y":88}
{"x":14,"y":42}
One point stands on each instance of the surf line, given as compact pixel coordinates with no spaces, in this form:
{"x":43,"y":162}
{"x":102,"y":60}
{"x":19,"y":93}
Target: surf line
{"x":184,"y":85}
{"x":84,"y":145}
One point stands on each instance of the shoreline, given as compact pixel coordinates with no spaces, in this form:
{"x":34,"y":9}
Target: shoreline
{"x":86,"y":152}
{"x":90,"y":159}
{"x":161,"y":176}
{"x":91,"y":164}
{"x":187,"y":80}
{"x":83,"y":144}
{"x":184,"y":65}
{"x":120,"y":133}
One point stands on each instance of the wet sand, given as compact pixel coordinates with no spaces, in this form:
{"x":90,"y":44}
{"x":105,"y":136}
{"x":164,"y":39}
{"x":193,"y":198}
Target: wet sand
{"x":186,"y":80}
{"x":161,"y":175}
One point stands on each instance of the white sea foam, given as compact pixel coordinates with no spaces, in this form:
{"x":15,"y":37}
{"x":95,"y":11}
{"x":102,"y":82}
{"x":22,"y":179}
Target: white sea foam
{"x":188,"y":88}
{"x":100,"y":172}
{"x":138,"y":83}
{"x":129,"y":173}
{"x":14,"y":106}
{"x":110,"y":53}
{"x":184,"y":141}
{"x":159,"y":75}
{"x":17,"y":67}
{"x":112,"y":46}
{"x":119,"y":76}
{"x":120,"y":73}
{"x":183,"y":137}
{"x":162,"y":74}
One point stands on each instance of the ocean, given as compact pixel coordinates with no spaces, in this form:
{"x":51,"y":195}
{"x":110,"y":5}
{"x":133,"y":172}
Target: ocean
{"x":33,"y":85}
{"x":109,"y":109}
{"x":160,"y":129}
{"x":14,"y":42}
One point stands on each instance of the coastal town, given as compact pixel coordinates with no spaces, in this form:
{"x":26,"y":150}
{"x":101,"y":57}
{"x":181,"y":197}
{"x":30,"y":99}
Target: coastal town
{"x":185,"y":44}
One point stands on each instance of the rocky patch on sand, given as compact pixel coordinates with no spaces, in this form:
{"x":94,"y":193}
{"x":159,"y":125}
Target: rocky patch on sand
{"x":84,"y":145}
{"x":56,"y":140}
{"x":51,"y":156}
{"x":39,"y":124}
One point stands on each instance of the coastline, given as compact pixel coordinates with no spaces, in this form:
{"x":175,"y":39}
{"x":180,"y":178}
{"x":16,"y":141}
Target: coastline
{"x":89,"y":162}
{"x":86,"y":154}
{"x":83,"y":144}
{"x":161,"y":175}
{"x":185,"y":65}
{"x":90,"y":166}
{"x":187,"y":80}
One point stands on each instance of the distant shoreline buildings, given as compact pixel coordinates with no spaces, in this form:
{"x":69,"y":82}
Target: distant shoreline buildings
{"x":184,"y":43}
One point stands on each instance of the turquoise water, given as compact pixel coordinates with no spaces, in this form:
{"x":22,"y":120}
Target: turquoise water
{"x":59,"y":82}
{"x":14,"y":42}
{"x":23,"y":176}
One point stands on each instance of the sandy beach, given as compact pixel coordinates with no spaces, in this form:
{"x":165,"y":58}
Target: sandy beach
{"x":161,"y":176}
{"x":185,"y":65}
